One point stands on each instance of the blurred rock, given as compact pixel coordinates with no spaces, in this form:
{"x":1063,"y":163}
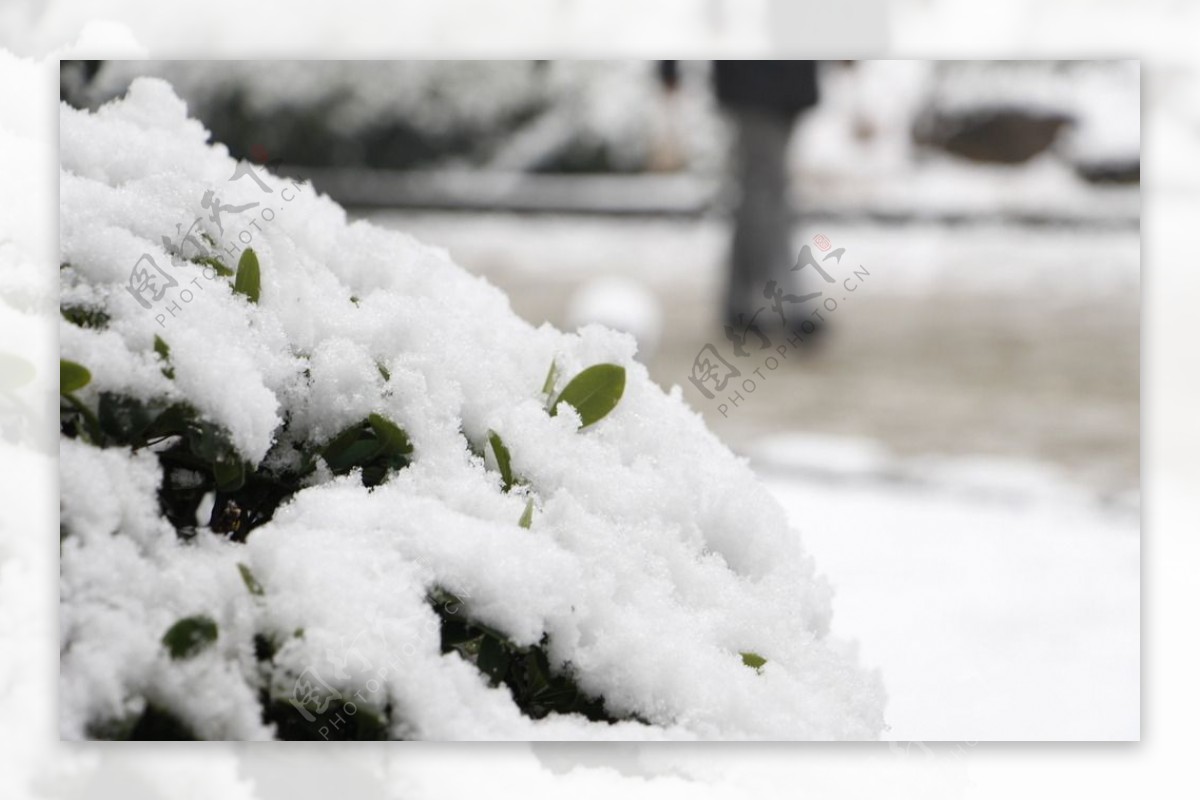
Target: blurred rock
{"x":993,"y":135}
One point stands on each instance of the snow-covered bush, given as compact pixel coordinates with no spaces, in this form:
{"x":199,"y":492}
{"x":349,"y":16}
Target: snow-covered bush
{"x":542,"y":116}
{"x":317,"y":483}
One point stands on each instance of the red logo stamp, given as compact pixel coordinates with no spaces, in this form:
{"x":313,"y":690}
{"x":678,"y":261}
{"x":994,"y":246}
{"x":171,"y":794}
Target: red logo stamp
{"x":822,"y":242}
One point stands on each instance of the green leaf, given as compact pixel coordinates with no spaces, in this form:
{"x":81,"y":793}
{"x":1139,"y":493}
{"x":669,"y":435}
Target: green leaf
{"x":248,"y":579}
{"x":209,"y":442}
{"x":248,"y":281}
{"x":72,"y":376}
{"x":551,"y":377}
{"x":164,"y":350}
{"x":217,"y":265}
{"x":527,"y":516}
{"x":357,"y":454}
{"x":123,"y":419}
{"x":77,"y":417}
{"x":391,"y":435}
{"x":174,"y":421}
{"x":376,"y":445}
{"x":538,"y":668}
{"x":190,"y":636}
{"x":85,"y":317}
{"x":335,"y":450}
{"x":383,"y":371}
{"x":594,"y":392}
{"x":753,"y":660}
{"x":230,"y":473}
{"x":492,"y":659}
{"x":503,"y":461}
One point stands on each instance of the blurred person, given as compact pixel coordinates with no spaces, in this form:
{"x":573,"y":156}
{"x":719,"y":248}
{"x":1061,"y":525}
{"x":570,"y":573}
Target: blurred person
{"x":763,"y":100}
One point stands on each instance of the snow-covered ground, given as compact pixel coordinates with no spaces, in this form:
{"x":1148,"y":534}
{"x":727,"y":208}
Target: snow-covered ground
{"x":990,"y":339}
{"x":1000,"y":602}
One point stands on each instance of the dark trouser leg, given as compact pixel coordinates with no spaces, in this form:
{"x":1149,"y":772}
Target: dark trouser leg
{"x":762,"y":222}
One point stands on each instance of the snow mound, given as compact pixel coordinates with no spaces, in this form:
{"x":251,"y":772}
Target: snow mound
{"x":655,"y":567}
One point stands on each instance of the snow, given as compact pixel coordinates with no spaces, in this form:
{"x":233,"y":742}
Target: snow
{"x":621,"y":304}
{"x":654,"y":557}
{"x":853,"y":153}
{"x":1033,"y":635}
{"x":614,"y":106}
{"x":674,"y":256}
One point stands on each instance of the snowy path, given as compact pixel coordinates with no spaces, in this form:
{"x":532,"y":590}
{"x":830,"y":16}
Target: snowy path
{"x":992,"y":616}
{"x":991,"y":340}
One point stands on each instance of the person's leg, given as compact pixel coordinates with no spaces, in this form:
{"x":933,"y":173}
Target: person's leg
{"x":761,"y":249}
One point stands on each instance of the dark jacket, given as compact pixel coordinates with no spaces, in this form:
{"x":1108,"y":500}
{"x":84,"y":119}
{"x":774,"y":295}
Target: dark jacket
{"x":785,"y":87}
